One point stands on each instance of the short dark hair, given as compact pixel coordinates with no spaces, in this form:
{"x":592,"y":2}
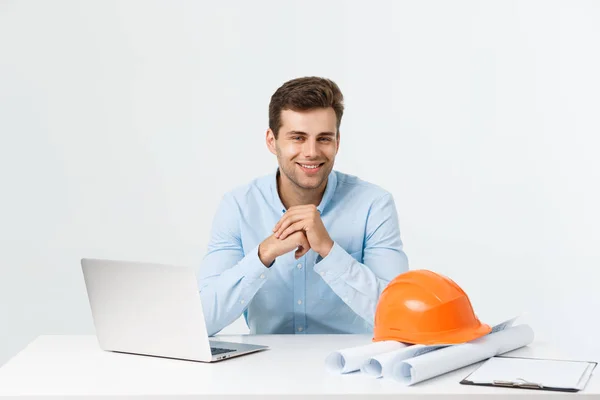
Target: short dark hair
{"x":303,"y":94}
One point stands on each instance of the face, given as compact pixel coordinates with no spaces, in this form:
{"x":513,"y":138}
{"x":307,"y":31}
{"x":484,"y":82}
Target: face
{"x":306,"y":146}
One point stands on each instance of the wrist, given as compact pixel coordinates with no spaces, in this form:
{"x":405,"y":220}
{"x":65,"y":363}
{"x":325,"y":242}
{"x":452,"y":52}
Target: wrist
{"x":265,"y":255}
{"x":324,"y":251}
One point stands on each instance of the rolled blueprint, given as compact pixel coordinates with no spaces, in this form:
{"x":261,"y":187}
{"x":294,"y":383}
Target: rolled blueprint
{"x":425,"y":366}
{"x":381,"y":364}
{"x":351,"y":359}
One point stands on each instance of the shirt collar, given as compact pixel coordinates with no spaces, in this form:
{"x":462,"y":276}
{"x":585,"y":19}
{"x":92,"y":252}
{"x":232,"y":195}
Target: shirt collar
{"x":327,"y":195}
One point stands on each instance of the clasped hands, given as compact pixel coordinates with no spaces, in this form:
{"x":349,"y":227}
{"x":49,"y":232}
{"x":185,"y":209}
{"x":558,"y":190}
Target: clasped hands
{"x":301,"y":228}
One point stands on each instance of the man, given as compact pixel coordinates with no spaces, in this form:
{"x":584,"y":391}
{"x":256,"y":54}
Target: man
{"x":306,"y":249}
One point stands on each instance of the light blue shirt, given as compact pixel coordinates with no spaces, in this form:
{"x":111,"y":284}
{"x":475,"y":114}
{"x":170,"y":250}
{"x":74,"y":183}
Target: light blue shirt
{"x":335,"y":294}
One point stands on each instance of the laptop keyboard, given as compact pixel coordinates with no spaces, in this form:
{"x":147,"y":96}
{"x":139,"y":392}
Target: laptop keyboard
{"x":218,"y":350}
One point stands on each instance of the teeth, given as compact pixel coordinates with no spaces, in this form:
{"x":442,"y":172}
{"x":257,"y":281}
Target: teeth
{"x":310,"y":166}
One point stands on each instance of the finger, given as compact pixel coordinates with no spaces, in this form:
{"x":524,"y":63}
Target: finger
{"x":302,"y":207}
{"x":281,"y":221}
{"x":306,"y":212}
{"x":298,"y":226}
{"x":303,"y":246}
{"x":277,"y":224}
{"x":284,"y":221}
{"x":288,"y":214}
{"x":302,"y":250}
{"x":285,"y":224}
{"x":293,"y":215}
{"x":292,"y":220}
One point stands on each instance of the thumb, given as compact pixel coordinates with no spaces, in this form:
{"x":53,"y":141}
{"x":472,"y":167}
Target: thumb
{"x":301,"y":250}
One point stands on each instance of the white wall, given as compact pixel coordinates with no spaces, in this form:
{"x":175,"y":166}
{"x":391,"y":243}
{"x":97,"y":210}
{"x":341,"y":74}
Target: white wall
{"x":123,"y":123}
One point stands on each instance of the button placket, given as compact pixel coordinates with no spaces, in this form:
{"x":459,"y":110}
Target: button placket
{"x":300,"y":294}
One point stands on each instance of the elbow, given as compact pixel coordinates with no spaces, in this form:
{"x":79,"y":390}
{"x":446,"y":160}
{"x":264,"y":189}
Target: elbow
{"x":404,"y":262}
{"x":212,"y":331}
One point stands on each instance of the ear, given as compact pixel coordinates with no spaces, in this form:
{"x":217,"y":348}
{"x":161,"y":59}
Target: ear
{"x":270,"y":139}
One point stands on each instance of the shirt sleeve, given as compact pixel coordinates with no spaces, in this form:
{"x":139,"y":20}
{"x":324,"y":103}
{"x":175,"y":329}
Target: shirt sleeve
{"x":359,"y":285}
{"x":228,"y":279}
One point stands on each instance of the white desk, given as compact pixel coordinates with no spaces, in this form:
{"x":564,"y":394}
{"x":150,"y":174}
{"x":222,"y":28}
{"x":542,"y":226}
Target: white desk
{"x":75,"y":366}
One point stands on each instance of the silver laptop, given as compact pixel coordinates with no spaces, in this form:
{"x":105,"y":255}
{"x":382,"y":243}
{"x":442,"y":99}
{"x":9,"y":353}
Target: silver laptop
{"x":152,"y":309}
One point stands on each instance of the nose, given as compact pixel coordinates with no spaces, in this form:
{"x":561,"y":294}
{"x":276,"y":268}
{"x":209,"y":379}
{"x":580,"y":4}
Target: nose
{"x":309,"y":150}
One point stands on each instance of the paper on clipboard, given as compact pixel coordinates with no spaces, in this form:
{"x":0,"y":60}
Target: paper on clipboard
{"x":532,"y":373}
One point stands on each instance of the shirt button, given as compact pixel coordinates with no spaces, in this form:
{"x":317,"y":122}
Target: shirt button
{"x":262,"y":276}
{"x":299,"y":266}
{"x":242,"y":301}
{"x":299,"y":301}
{"x":323,"y":273}
{"x":300,"y":329}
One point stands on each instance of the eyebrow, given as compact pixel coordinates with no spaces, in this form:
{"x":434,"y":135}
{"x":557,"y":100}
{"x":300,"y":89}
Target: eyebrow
{"x":306,"y":134}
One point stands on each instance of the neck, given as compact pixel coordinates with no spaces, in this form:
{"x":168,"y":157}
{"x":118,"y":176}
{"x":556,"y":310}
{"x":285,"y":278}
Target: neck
{"x":291,"y":195}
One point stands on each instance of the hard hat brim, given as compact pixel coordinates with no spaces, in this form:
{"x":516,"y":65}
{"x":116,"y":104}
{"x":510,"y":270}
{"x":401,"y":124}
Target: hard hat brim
{"x":439,"y":338}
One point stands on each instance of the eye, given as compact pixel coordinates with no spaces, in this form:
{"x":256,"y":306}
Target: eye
{"x":297,"y":138}
{"x":325,"y":139}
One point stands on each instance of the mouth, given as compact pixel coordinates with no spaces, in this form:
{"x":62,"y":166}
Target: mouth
{"x":310,"y":168}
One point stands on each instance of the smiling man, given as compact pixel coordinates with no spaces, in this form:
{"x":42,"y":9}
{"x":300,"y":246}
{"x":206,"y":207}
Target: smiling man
{"x":306,"y":249}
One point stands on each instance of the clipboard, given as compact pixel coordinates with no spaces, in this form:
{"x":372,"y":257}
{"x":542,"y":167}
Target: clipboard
{"x":532,"y":373}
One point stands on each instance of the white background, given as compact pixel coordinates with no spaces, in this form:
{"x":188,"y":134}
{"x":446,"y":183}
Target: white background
{"x":123,"y":123}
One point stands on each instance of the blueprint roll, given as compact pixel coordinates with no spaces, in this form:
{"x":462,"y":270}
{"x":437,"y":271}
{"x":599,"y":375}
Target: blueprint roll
{"x":381,"y":364}
{"x":351,"y":359}
{"x":435,"y":363}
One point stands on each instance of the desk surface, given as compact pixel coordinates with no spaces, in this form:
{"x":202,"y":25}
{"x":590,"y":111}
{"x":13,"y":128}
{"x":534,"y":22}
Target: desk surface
{"x":293,"y":366}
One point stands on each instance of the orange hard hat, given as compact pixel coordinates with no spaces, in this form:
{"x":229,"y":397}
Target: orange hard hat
{"x":423,"y":307}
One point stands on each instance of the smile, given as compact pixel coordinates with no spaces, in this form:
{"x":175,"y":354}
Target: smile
{"x":310,"y":168}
